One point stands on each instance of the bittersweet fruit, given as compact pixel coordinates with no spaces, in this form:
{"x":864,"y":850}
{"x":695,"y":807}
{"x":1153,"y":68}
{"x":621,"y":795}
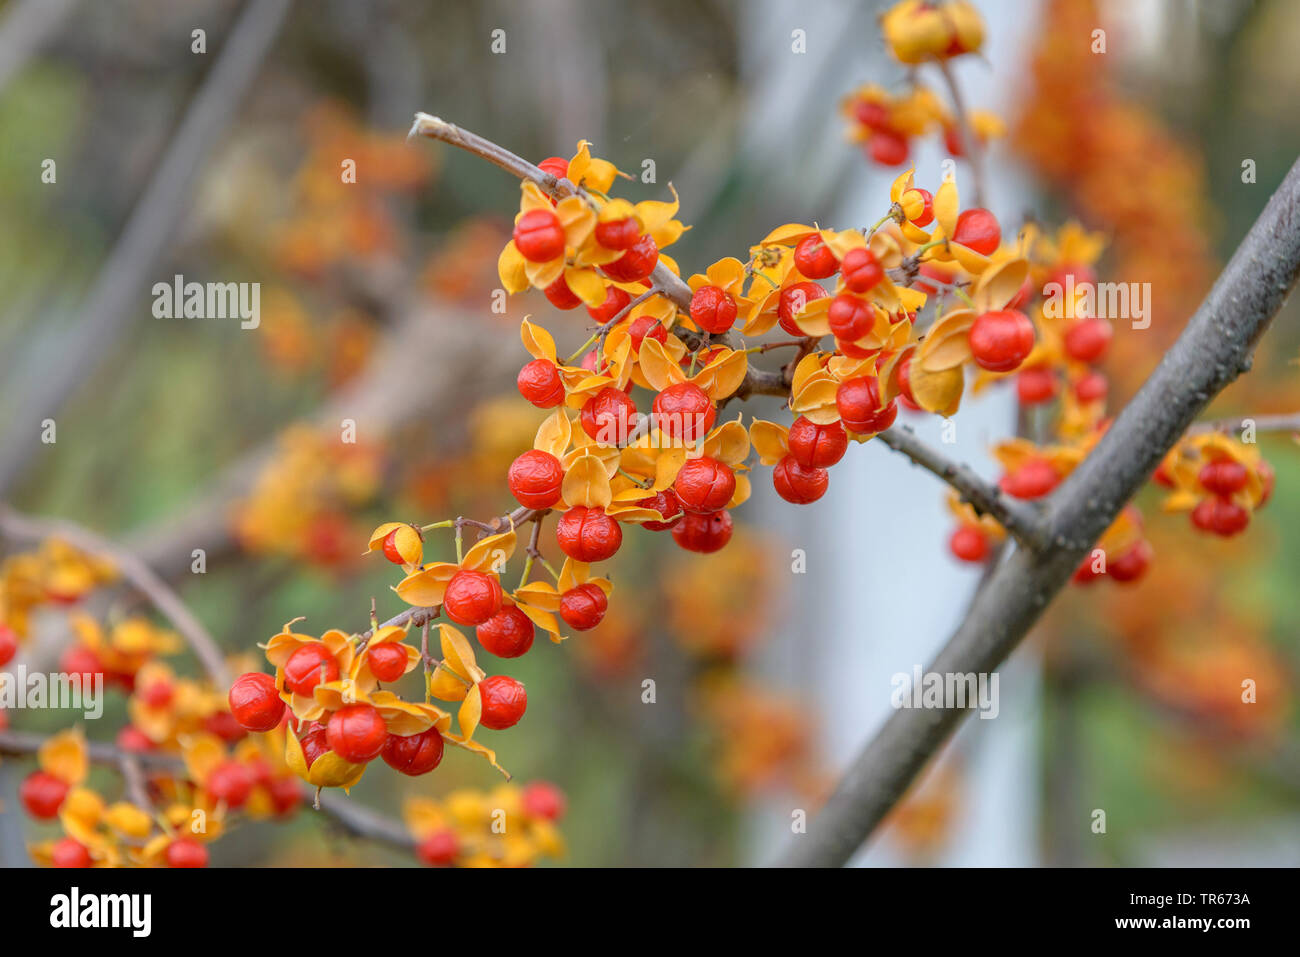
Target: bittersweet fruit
{"x":557,"y":166}
{"x":1035,"y":385}
{"x":539,"y":382}
{"x":471,"y":597}
{"x":969,"y":544}
{"x":184,"y":852}
{"x":42,"y":794}
{"x":888,"y":147}
{"x":1086,"y":340}
{"x":439,"y":849}
{"x":609,"y":416}
{"x":255,"y":701}
{"x":559,"y":295}
{"x":1223,"y":478}
{"x":635,"y":264}
{"x":413,"y":754}
{"x":583,"y":606}
{"x":504,"y":702}
{"x":543,"y":799}
{"x":850,"y":318}
{"x":68,"y":852}
{"x":817,"y":446}
{"x":1133,"y":563}
{"x":588,"y":534}
{"x":698,"y":532}
{"x":1034,"y":479}
{"x":704,"y":484}
{"x":1001,"y":340}
{"x":535,"y":479}
{"x":646,"y":327}
{"x":230,"y":782}
{"x":814,"y":259}
{"x":792,"y":301}
{"x":684,"y":411}
{"x":1220,"y":516}
{"x":615,"y":301}
{"x":978,"y":229}
{"x":387,"y":660}
{"x":926,"y":216}
{"x":1091,"y":387}
{"x":713,"y":309}
{"x":507,"y":634}
{"x":356,"y":733}
{"x":798,"y":484}
{"x":666,"y":504}
{"x":134,"y":741}
{"x":539,"y":236}
{"x":309,"y":666}
{"x":618,"y":233}
{"x":860,"y":271}
{"x":858,"y":402}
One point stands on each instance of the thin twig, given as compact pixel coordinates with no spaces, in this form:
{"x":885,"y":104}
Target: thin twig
{"x":970,"y":145}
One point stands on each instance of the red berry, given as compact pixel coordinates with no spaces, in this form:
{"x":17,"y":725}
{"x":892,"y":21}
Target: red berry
{"x":666,"y":504}
{"x":42,"y":794}
{"x":1162,"y":477}
{"x":543,"y":799}
{"x":858,"y":402}
{"x":471,"y":597}
{"x":792,"y":301}
{"x":926,"y":216}
{"x":817,"y":446}
{"x":618,"y":233}
{"x":1001,"y":340}
{"x":684,"y":411}
{"x":1131,"y":565}
{"x":870,"y":113}
{"x":713,"y":309}
{"x":539,"y":236}
{"x":797,"y":484}
{"x":609,"y":416}
{"x":703,"y":533}
{"x":387,"y":660}
{"x":285,"y":792}
{"x":860,"y":270}
{"x":635,"y":264}
{"x":888,"y":148}
{"x":504,"y":701}
{"x":535,"y":479}
{"x":80,"y":660}
{"x":231,"y":782}
{"x":356,"y":733}
{"x":646,"y":327}
{"x":68,"y":852}
{"x":560,"y":295}
{"x":1086,"y":573}
{"x":1087,"y":339}
{"x":704,"y":485}
{"x":8,"y":644}
{"x":439,"y":849}
{"x":507,"y":634}
{"x":588,"y":534}
{"x":1223,"y":478}
{"x":413,"y":754}
{"x":1091,"y":387}
{"x":850,"y":318}
{"x":157,"y":694}
{"x":978,"y":229}
{"x":814,"y":259}
{"x":309,"y":666}
{"x":184,"y":852}
{"x":615,"y":301}
{"x":1035,"y":385}
{"x":255,"y":702}
{"x":583,"y":606}
{"x":557,"y":166}
{"x":969,"y":544}
{"x":539,"y":382}
{"x":905,"y":384}
{"x":225,"y":727}
{"x":314,"y":743}
{"x":1033,"y":479}
{"x":132,"y":740}
{"x":391,"y":551}
{"x":1220,"y":516}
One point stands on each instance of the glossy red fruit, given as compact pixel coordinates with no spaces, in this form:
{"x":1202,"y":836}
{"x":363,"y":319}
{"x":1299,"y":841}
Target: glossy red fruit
{"x":507,"y":634}
{"x":439,"y":849}
{"x":977,"y":229}
{"x":969,"y":544}
{"x":684,"y":411}
{"x":356,"y":733}
{"x":817,"y":446}
{"x":814,"y":259}
{"x":184,"y":852}
{"x":68,"y":852}
{"x":798,"y":484}
{"x":559,"y":295}
{"x":1035,"y":385}
{"x":1001,"y":340}
{"x":539,"y":236}
{"x":1220,"y":516}
{"x":618,"y":233}
{"x":1091,"y":387}
{"x":713,"y":309}
{"x":887,"y":147}
{"x":1086,"y":340}
{"x":557,"y":166}
{"x":666,"y":504}
{"x":635,"y":264}
{"x":1034,"y":479}
{"x":535,"y":479}
{"x":8,"y":644}
{"x":255,"y":701}
{"x":309,"y":666}
{"x":231,"y":782}
{"x":413,"y":754}
{"x":703,"y":533}
{"x":704,"y":485}
{"x":314,"y":742}
{"x":858,"y":402}
{"x":905,"y":385}
{"x":646,"y":327}
{"x":615,"y":301}
{"x":471,"y":597}
{"x":42,"y":794}
{"x":504,"y":702}
{"x":609,"y":416}
{"x":543,"y":799}
{"x":1132,"y":564}
{"x":387,"y":660}
{"x":792,"y":301}
{"x":132,"y":740}
{"x":583,"y":606}
{"x":588,"y":534}
{"x":850,"y":318}
{"x":1223,"y":478}
{"x":80,"y":660}
{"x":390,"y":549}
{"x":539,"y":382}
{"x":926,"y":216}
{"x":860,"y":270}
